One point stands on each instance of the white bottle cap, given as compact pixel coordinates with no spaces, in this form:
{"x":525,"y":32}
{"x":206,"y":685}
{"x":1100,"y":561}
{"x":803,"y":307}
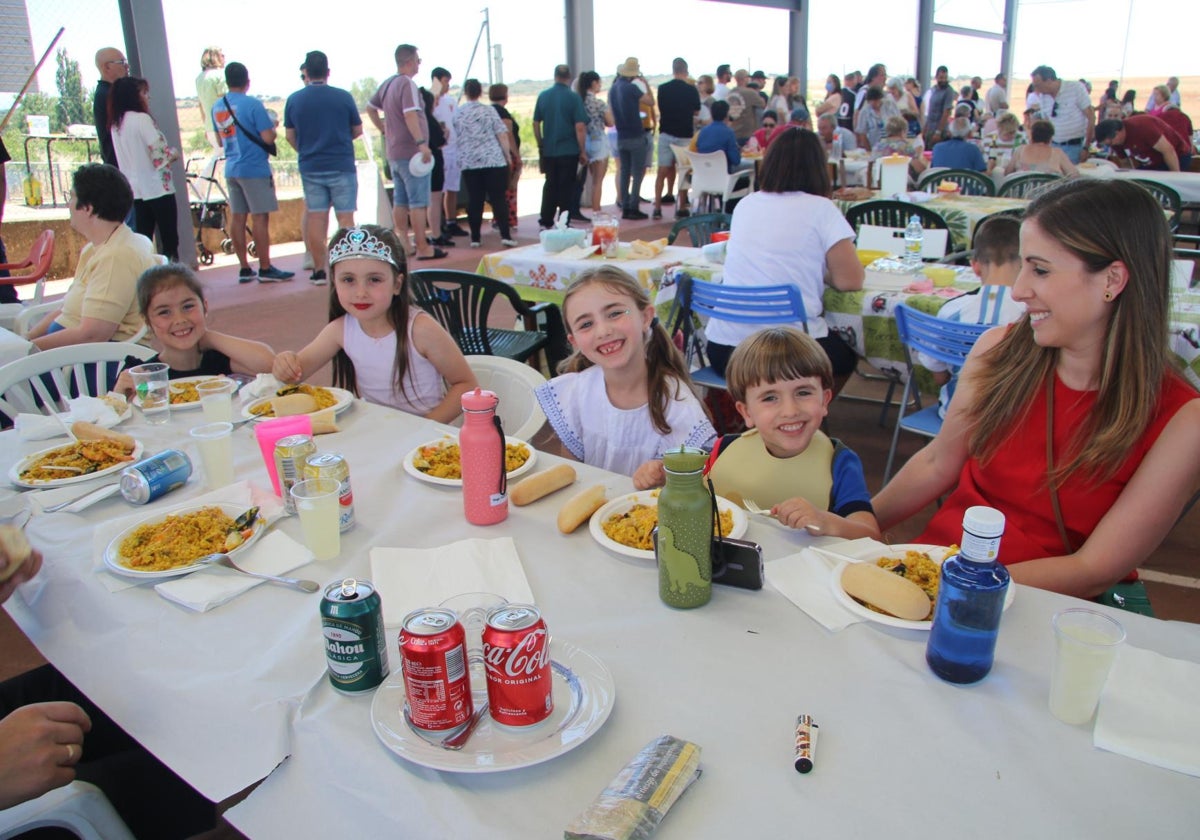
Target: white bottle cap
{"x":983,"y":521}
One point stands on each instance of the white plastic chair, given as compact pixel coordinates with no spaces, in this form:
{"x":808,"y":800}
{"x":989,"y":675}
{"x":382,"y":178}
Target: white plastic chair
{"x":683,"y":167}
{"x":32,"y":315}
{"x":65,"y":366}
{"x":711,"y":179}
{"x":79,"y":807}
{"x":513,"y":382}
{"x":876,"y":238}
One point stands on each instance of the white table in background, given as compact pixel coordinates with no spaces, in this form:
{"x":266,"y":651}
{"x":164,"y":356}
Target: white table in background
{"x":12,"y":346}
{"x":731,"y":676}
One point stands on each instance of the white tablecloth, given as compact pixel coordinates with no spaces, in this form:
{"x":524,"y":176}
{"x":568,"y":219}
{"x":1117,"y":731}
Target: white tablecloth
{"x":12,"y":346}
{"x":224,"y":696}
{"x":1187,"y":184}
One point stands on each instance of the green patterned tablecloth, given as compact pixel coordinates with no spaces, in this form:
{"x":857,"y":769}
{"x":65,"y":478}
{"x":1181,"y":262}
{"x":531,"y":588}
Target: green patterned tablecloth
{"x":961,"y":212}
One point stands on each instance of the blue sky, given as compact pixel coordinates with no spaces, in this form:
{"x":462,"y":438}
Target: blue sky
{"x":1077,"y":37}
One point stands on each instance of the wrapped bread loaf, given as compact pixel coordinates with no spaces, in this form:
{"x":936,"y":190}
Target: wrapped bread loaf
{"x":635,"y":802}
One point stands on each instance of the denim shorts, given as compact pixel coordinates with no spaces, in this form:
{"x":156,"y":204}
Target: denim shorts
{"x":666,"y":156}
{"x":597,"y":149}
{"x":407,"y":189}
{"x":252,"y":195}
{"x":323,"y":190}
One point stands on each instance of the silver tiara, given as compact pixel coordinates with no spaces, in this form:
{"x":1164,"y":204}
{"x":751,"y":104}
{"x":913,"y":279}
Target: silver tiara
{"x":360,"y":244}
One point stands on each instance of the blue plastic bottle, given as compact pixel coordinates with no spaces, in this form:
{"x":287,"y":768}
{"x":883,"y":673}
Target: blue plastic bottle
{"x":966,"y":619}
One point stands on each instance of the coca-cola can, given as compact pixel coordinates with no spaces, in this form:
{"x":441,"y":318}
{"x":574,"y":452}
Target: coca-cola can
{"x":516,"y":653}
{"x":433,"y":655}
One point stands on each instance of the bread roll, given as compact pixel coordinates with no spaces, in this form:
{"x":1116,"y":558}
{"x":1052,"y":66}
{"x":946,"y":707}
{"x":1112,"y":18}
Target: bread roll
{"x":324,"y":422}
{"x":886,"y":590}
{"x":15,"y":548}
{"x":293,"y":404}
{"x":542,"y":484}
{"x":580,"y":507}
{"x":90,"y":431}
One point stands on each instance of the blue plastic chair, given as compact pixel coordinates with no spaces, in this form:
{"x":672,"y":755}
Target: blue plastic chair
{"x":765,"y":305}
{"x":938,"y":338}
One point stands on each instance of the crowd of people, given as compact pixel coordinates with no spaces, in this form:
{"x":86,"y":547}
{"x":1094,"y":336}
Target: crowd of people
{"x":1067,"y":416}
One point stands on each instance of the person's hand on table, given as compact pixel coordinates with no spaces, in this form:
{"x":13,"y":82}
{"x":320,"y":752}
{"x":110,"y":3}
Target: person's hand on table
{"x":40,"y":745}
{"x":287,"y":367}
{"x":799,"y":513}
{"x":649,"y":475}
{"x":124,"y":385}
{"x":27,"y":570}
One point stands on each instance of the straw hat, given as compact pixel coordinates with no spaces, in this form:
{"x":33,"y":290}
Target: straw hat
{"x":630,"y":68}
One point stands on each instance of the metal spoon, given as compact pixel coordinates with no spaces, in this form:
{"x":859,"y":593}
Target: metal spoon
{"x":458,"y":739}
{"x":221,"y":559}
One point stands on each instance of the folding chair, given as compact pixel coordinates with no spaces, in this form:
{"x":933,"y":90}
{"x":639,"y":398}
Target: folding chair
{"x":711,"y":179}
{"x":940,"y":339}
{"x":41,"y":256}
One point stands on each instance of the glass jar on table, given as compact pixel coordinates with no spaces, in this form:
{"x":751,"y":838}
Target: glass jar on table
{"x":605,"y":234}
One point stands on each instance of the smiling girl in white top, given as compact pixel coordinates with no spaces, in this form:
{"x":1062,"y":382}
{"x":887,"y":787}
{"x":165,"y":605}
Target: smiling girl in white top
{"x":382,"y":347}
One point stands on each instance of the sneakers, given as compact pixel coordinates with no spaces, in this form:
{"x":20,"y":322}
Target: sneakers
{"x":579,"y":217}
{"x":668,"y":199}
{"x":246,"y":275}
{"x":657,"y":214}
{"x":476,"y":244}
{"x":271,"y":274}
{"x":634,"y":215}
{"x":509,"y":243}
{"x":318,"y":278}
{"x":454,"y":229}
{"x":307,"y":265}
{"x":443,"y":240}
{"x":682,"y":212}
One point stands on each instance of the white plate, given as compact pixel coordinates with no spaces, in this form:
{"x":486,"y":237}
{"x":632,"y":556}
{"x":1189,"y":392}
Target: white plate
{"x":411,"y":469}
{"x":190,"y":406}
{"x":583,"y":699}
{"x":650,"y":497}
{"x":112,"y":555}
{"x":936,"y":554}
{"x":17,"y":468}
{"x":344,"y":398}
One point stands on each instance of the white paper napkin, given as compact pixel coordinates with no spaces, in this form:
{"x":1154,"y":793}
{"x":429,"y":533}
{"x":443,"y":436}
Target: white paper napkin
{"x":264,"y":385}
{"x":275,"y":554}
{"x":238,"y":493}
{"x":577,"y":252}
{"x":1150,"y":710}
{"x":87,"y":409}
{"x":803,"y":578}
{"x":411,"y":578}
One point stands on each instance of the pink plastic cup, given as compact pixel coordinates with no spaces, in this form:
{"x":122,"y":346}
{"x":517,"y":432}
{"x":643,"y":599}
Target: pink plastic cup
{"x":268,"y":432}
{"x":720,"y":236}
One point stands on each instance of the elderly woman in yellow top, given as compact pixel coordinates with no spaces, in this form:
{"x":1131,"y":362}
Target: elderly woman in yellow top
{"x":210,"y":86}
{"x":101,"y":304}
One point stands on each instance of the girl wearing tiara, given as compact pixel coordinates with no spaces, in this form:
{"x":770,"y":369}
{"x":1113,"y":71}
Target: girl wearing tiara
{"x":625,"y":396}
{"x":382,"y":347}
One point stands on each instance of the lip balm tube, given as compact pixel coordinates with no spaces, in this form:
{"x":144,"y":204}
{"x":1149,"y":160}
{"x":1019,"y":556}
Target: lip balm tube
{"x":806,"y":742}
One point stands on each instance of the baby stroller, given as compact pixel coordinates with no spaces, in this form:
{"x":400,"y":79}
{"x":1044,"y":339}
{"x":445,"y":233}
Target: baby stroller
{"x":208,"y":210}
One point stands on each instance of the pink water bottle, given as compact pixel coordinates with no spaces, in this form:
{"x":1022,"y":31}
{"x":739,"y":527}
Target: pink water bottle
{"x":481,"y":444}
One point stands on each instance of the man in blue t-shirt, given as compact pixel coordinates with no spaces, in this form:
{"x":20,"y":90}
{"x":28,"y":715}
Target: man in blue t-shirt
{"x":321,"y":123}
{"x":245,"y":130}
{"x":628,"y":103}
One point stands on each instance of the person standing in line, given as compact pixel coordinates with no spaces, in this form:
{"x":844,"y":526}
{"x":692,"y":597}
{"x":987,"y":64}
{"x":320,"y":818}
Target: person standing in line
{"x":599,"y":120}
{"x":247,"y":133}
{"x":678,"y":105}
{"x":1068,"y":107}
{"x":146,"y":160}
{"x":210,"y":86}
{"x":112,"y":65}
{"x":487,"y":153}
{"x":625,"y":100}
{"x":498,"y":96}
{"x":444,"y":106}
{"x":560,"y":128}
{"x":407,"y":136}
{"x":321,"y":123}
{"x":724,"y":77}
{"x":997,"y":95}
{"x":939,"y":107}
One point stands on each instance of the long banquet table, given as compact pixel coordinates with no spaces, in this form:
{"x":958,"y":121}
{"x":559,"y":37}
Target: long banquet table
{"x":223,"y":697}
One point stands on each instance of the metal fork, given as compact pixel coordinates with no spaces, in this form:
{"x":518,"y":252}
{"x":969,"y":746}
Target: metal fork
{"x":753,"y":507}
{"x":222,"y":559}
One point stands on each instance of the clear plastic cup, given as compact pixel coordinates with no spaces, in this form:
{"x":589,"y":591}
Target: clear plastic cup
{"x":216,"y":399}
{"x":317,"y":503}
{"x":215,"y":441}
{"x":150,"y":381}
{"x":1086,"y":647}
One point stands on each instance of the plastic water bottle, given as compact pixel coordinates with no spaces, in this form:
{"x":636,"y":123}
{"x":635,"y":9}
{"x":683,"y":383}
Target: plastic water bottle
{"x":914,"y":238}
{"x":966,"y":619}
{"x":481,"y":448}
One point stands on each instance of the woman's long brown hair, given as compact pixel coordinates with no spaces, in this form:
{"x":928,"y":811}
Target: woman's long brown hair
{"x":1100,"y":222}
{"x":666,"y":369}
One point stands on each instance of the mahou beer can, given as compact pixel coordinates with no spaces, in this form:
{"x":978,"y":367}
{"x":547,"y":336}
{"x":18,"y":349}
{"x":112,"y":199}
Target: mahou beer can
{"x":516,"y":650}
{"x":355,"y":642}
{"x":433,"y":656}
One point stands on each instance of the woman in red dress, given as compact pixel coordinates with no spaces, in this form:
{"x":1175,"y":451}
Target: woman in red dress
{"x":1087,"y":368}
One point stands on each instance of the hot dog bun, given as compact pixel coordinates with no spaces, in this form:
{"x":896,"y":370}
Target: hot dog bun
{"x":324,"y":422}
{"x":90,"y":431}
{"x":886,"y":590}
{"x":293,"y":404}
{"x":15,"y":550}
{"x":542,"y":484}
{"x":580,"y":507}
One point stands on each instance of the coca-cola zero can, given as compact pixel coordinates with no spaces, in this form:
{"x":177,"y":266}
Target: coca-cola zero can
{"x":516,"y":652}
{"x":433,"y":656}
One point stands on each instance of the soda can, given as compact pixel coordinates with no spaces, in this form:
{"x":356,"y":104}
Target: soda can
{"x":290,"y":454}
{"x":332,"y":465}
{"x":355,"y":641}
{"x":433,"y":657}
{"x":156,"y":476}
{"x":516,"y":654}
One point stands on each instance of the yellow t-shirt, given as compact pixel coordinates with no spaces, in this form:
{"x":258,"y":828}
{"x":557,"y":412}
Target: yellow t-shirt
{"x":105,"y":285}
{"x":746,"y":468}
